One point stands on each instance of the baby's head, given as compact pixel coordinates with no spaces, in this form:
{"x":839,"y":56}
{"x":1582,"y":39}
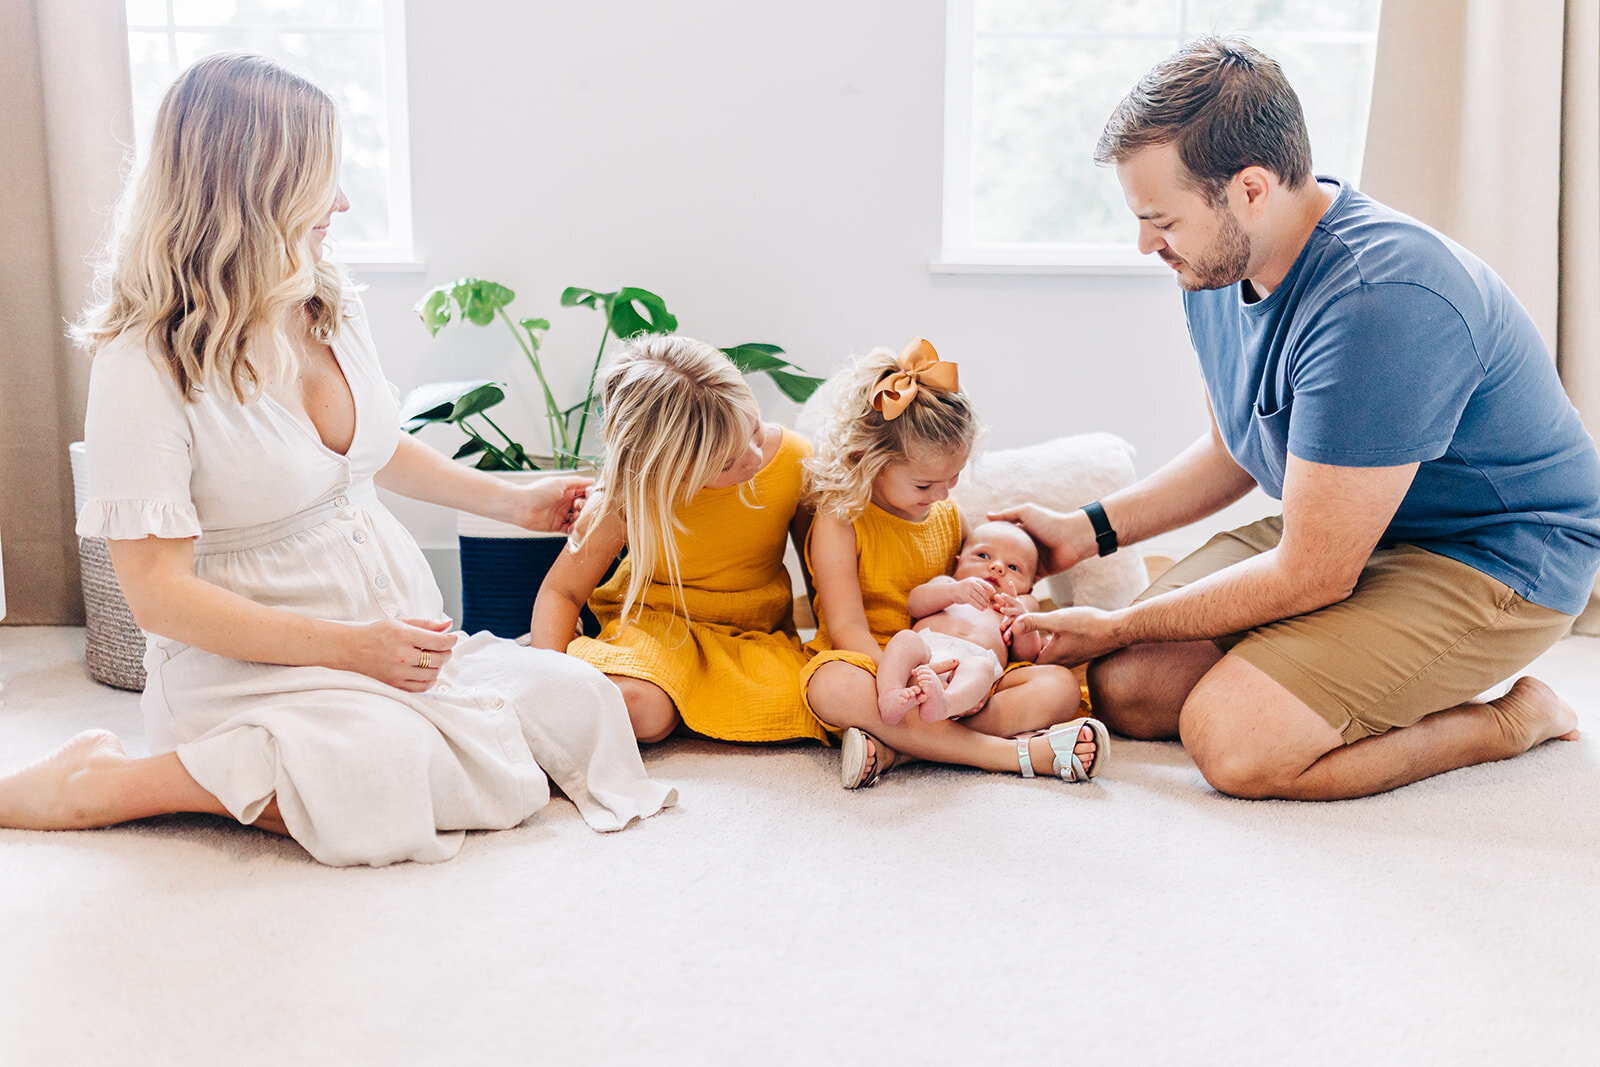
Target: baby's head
{"x":897,"y":431}
{"x":679,"y":418}
{"x":1002,"y":553}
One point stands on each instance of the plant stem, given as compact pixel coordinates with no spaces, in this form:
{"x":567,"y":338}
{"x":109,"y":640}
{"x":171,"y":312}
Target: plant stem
{"x":551,"y":408}
{"x":531,"y":465}
{"x":505,"y":460}
{"x":594,"y":372}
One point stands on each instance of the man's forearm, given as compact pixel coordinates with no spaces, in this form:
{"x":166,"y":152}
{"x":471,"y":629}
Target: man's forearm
{"x":1248,"y":594}
{"x":1200,"y":481}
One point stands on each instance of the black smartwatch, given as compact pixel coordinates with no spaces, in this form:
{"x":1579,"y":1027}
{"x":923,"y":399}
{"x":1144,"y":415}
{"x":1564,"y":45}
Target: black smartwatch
{"x":1104,"y":535}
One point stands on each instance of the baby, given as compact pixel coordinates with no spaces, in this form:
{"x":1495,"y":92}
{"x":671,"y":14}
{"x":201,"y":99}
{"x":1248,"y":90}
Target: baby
{"x":964,"y":617}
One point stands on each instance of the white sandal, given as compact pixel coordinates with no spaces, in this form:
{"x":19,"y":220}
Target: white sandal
{"x":1063,"y":739}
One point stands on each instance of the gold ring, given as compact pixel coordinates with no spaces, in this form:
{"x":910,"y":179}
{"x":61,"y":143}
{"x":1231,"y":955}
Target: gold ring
{"x":425,"y":661}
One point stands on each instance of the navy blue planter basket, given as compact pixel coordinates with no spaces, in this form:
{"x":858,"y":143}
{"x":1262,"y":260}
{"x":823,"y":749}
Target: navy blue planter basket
{"x":500,"y":578}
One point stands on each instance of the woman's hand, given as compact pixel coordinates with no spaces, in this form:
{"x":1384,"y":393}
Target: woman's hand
{"x":552,"y":505}
{"x":393,"y":651}
{"x":1065,"y":536}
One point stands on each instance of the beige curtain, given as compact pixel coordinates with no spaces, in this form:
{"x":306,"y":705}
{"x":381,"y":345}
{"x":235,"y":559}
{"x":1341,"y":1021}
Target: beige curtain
{"x":1486,"y":125}
{"x":62,"y":135}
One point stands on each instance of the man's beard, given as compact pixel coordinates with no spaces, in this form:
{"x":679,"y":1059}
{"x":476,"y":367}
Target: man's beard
{"x":1223,"y":264}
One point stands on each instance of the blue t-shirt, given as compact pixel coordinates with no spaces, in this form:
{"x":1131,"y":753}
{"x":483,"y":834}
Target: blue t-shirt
{"x":1390,"y":344}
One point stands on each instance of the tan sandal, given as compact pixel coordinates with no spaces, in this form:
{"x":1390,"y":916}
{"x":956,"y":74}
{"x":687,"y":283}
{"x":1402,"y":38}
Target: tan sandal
{"x":858,"y":759}
{"x":1063,"y":739}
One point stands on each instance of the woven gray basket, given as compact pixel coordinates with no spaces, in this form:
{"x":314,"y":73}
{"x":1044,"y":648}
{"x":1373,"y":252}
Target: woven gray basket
{"x":113,"y":644}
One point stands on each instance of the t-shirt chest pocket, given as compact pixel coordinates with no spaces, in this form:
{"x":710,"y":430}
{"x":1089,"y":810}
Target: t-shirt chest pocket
{"x":1269,"y":439}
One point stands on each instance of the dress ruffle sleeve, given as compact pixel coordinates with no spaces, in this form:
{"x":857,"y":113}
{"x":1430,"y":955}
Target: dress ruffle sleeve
{"x":137,"y":437}
{"x":132,"y":520}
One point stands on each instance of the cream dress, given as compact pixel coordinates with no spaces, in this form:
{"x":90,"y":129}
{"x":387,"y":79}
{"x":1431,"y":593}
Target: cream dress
{"x":362,"y":772}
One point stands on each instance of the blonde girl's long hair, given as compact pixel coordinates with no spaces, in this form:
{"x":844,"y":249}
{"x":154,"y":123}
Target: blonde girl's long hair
{"x":677,"y":411}
{"x":854,"y":443}
{"x":211,"y":256}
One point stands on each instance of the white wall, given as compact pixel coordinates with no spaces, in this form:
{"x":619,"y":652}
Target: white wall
{"x":774,"y":172}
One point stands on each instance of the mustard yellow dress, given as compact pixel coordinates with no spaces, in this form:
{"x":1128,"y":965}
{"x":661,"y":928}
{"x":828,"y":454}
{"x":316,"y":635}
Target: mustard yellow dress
{"x":733,"y":668}
{"x":893,"y":557}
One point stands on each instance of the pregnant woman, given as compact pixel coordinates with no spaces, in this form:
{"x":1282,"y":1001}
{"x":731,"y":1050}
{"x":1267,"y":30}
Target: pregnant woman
{"x":301,"y":677}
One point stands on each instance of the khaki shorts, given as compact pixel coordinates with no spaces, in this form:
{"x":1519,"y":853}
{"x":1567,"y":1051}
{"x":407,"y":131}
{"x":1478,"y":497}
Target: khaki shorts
{"x":1421,"y":633}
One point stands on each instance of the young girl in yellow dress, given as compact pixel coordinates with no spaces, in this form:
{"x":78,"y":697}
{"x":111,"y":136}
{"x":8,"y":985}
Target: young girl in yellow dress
{"x":897,"y":431}
{"x":696,"y":625}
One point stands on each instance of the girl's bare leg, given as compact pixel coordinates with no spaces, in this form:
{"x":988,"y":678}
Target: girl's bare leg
{"x":1027,"y":699}
{"x":652,"y":712}
{"x":90,"y":782}
{"x":843,"y":695}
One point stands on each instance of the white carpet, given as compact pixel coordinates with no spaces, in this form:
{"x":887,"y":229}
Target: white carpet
{"x":944,"y":916}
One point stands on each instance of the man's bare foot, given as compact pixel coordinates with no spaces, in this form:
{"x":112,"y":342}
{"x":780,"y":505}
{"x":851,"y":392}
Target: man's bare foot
{"x":1531,"y":714}
{"x":58,"y":792}
{"x":895,"y":704}
{"x":935,"y":705}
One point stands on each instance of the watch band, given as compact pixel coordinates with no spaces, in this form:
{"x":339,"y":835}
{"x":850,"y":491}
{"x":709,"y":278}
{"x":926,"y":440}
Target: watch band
{"x":1104,"y":535}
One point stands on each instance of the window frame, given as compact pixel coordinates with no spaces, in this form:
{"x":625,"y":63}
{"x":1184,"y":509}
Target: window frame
{"x":398,"y":253}
{"x":958,"y":253}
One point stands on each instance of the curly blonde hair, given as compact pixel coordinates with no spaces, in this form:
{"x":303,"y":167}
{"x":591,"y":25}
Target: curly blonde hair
{"x":677,"y":411}
{"x":210,"y":256}
{"x":854,"y":443}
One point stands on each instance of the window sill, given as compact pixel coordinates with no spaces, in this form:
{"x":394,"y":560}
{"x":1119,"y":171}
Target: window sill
{"x":380,"y":265}
{"x":1030,"y":261}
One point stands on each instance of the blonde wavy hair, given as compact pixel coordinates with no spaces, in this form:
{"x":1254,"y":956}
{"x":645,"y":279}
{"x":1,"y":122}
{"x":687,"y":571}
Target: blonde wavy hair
{"x":211,"y":255}
{"x":854,"y":443}
{"x":677,"y":412}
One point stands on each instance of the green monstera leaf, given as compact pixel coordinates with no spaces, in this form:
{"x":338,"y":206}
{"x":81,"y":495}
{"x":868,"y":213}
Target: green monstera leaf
{"x":479,"y":299}
{"x":755,"y":357}
{"x":629,"y":311}
{"x":637,"y":311}
{"x":448,"y":401}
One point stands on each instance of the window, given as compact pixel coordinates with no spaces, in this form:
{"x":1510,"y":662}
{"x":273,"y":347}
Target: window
{"x":353,"y":49}
{"x":1030,"y":83}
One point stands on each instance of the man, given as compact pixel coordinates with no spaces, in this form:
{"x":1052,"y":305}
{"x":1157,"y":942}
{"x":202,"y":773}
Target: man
{"x":1441,"y":499}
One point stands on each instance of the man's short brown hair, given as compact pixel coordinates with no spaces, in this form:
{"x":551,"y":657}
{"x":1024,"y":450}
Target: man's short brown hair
{"x":1225,"y":104}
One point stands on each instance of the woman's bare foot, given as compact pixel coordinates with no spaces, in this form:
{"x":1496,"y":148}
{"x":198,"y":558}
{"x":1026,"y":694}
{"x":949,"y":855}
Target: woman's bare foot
{"x":1530,"y":714}
{"x":59,"y":791}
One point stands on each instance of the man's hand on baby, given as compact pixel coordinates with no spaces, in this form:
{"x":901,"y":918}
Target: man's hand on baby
{"x":1077,"y":635}
{"x":1065,"y":536}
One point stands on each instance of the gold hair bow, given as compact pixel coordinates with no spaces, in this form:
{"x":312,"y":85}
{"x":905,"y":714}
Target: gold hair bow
{"x":920,"y":366}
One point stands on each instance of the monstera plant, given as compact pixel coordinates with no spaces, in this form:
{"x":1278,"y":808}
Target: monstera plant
{"x":628,"y":312}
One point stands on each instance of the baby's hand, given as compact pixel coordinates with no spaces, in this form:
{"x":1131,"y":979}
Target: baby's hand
{"x":973,"y":592}
{"x":1009,"y":606}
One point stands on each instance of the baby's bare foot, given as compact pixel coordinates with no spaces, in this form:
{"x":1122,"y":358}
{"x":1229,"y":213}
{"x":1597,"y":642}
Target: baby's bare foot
{"x":1531,"y":714}
{"x":56,"y":793}
{"x":935,"y":705}
{"x":894,"y":704}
